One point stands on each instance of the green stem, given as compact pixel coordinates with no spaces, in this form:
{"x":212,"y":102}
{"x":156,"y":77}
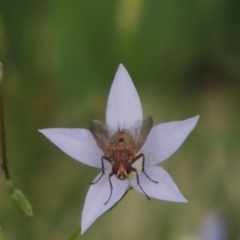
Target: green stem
{"x":74,"y":233}
{"x":1,"y":234}
{"x":2,"y":127}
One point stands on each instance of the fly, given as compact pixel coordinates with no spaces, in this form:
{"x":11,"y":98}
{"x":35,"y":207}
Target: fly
{"x":121,"y":148}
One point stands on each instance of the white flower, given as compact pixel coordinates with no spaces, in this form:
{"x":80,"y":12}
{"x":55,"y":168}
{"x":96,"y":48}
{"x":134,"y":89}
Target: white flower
{"x":124,"y":110}
{"x":214,"y":227}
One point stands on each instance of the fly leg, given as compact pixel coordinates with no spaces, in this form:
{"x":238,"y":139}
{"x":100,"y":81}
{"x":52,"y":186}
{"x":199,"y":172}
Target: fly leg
{"x":143,"y":163}
{"x":107,"y":159}
{"x":109,"y":178}
{"x":135,"y":170}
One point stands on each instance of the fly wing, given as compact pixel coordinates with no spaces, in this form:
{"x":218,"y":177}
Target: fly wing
{"x":141,"y":131}
{"x":102,"y":134}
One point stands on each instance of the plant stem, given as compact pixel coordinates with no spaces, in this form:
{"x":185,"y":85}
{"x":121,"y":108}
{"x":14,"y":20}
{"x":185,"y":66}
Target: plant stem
{"x":2,"y":128}
{"x":74,"y":233}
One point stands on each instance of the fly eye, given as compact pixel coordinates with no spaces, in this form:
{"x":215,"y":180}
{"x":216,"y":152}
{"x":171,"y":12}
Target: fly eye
{"x":115,"y":168}
{"x":128,"y":168}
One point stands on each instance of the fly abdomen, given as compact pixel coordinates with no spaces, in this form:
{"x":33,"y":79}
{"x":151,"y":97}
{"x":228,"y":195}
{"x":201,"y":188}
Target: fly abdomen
{"x":121,"y":140}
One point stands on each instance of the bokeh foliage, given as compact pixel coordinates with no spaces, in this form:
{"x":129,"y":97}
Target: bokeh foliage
{"x":60,"y":58}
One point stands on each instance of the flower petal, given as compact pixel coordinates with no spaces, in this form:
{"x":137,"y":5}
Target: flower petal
{"x":165,"y":189}
{"x":164,"y":139}
{"x":214,"y":227}
{"x":98,"y":195}
{"x":124,"y":107}
{"x":77,"y":143}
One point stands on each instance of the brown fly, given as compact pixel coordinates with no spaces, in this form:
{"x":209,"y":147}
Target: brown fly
{"x":121,"y":147}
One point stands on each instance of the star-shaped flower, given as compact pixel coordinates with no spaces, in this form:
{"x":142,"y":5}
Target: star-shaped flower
{"x":102,"y":146}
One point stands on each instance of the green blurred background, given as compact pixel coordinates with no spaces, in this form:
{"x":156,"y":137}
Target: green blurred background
{"x":60,"y":58}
